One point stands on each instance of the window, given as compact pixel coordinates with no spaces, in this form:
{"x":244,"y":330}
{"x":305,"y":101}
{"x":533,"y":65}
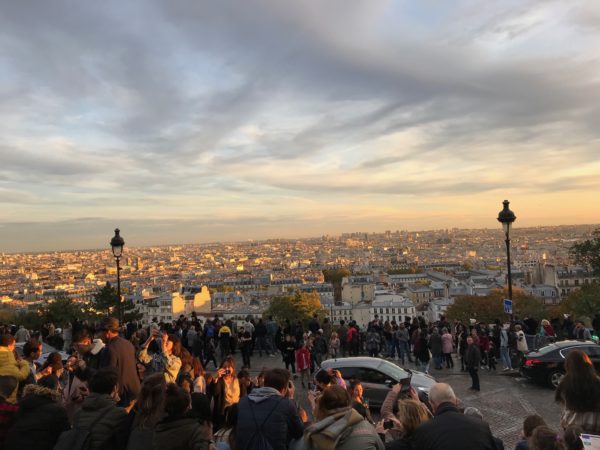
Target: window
{"x":372,"y":376}
{"x":348,"y":372}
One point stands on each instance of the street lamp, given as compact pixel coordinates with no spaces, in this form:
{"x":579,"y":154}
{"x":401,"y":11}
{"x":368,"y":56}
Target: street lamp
{"x":117,"y":244}
{"x":506,"y":217}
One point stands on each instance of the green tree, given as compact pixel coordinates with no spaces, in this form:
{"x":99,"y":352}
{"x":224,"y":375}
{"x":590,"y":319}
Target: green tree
{"x":105,"y":300}
{"x":584,"y":302}
{"x":300,"y":306}
{"x":491,"y":307}
{"x":588,"y":252}
{"x":335,"y":276}
{"x":63,"y":310}
{"x":130,"y":312}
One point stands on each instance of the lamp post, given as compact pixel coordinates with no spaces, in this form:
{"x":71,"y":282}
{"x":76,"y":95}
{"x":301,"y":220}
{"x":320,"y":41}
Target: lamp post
{"x":506,"y":217}
{"x":117,"y":244}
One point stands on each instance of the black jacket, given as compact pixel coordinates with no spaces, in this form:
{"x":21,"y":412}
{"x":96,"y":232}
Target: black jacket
{"x":181,"y":433}
{"x":452,"y":430}
{"x":40,"y":420}
{"x":472,"y":357}
{"x":120,"y":353}
{"x":111,"y":423}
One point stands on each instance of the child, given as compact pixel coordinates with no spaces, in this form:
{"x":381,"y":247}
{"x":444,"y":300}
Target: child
{"x":545,"y":438}
{"x":303,"y":362}
{"x":334,"y":345}
{"x":529,"y":424}
{"x":289,"y":349}
{"x":7,"y":410}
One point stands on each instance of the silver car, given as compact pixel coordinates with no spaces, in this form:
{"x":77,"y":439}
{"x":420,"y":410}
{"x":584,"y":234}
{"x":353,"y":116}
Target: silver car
{"x":377,"y":376}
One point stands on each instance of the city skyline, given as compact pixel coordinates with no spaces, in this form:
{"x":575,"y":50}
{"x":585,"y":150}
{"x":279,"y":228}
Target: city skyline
{"x":186,"y":122}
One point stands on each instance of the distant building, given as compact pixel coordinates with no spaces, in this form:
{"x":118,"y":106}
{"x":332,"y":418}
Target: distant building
{"x":358,"y":289}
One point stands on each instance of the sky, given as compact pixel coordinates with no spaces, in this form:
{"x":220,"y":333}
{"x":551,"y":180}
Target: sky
{"x":197,"y":121}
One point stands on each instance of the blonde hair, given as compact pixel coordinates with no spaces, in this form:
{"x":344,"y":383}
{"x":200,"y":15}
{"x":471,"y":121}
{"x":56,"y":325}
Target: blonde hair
{"x":411,"y":414}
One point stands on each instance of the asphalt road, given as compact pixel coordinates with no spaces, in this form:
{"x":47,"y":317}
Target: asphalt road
{"x":504,"y":400}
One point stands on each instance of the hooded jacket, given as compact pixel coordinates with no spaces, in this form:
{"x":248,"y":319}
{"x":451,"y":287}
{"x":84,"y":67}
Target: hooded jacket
{"x":345,"y":429}
{"x":40,"y":420}
{"x":112,"y":430}
{"x":9,"y":366}
{"x":275,"y":415}
{"x":181,"y":433}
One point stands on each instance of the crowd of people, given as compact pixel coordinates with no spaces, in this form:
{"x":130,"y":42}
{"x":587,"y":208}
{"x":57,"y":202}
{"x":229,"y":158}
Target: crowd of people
{"x":131,"y":386}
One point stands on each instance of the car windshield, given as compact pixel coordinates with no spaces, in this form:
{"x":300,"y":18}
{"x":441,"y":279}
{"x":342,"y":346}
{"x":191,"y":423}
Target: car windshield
{"x":392,"y":370}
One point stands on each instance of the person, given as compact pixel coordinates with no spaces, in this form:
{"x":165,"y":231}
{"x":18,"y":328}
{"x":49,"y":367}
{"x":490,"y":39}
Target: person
{"x":545,"y":438}
{"x":147,"y":411}
{"x":289,"y":353}
{"x":338,"y":426}
{"x":199,"y":384}
{"x":75,"y":389}
{"x":504,"y":348}
{"x":119,"y":353}
{"x":529,"y":424}
{"x":373,"y":342}
{"x":474,"y":412}
{"x":245,"y":347}
{"x":41,"y":417}
{"x":106,"y":424}
{"x":472,"y":361}
{"x":572,"y":438}
{"x":319,"y":348}
{"x":581,"y":332}
{"x":447,"y":347}
{"x":355,"y":389}
{"x":268,"y":414}
{"x":225,"y":437}
{"x":334,"y":345}
{"x":245,"y":382}
{"x":90,"y":350}
{"x":521,"y":341}
{"x":225,"y":391}
{"x":167,"y":358}
{"x":411,"y":413}
{"x":435,"y":346}
{"x":9,"y":366}
{"x":260,"y":337}
{"x":8,"y":411}
{"x":32,"y":350}
{"x":449,"y":428}
{"x":421,"y":350}
{"x":313,"y":324}
{"x":53,"y":365}
{"x":210,"y":352}
{"x":403,"y":338}
{"x":225,"y":340}
{"x":303,"y":363}
{"x":579,"y":393}
{"x":342,"y":331}
{"x":22,"y":334}
{"x":180,"y":429}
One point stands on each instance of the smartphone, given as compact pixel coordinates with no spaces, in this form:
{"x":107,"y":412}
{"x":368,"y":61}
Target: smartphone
{"x":388,"y":424}
{"x":312,"y":386}
{"x":405,"y":387}
{"x":227,"y":371}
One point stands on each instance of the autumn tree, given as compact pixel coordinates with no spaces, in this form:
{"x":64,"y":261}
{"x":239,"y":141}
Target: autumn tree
{"x":584,"y":302}
{"x":588,"y":252}
{"x":490,"y":307}
{"x":300,"y":306}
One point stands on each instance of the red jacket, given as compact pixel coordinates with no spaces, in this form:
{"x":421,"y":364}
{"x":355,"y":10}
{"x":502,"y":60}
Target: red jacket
{"x":302,"y":359}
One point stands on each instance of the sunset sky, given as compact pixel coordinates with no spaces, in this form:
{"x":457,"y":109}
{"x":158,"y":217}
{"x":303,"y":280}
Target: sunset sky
{"x":195,"y":121}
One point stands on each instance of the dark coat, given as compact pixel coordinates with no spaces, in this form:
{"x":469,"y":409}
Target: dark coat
{"x":472,"y":357}
{"x":120,"y":354}
{"x":112,"y":430}
{"x":282,"y":425}
{"x":452,"y":430}
{"x":40,"y":420}
{"x":183,"y":433}
{"x":435,"y":344}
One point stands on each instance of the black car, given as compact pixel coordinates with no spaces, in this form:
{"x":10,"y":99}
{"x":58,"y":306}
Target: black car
{"x":547,"y":365}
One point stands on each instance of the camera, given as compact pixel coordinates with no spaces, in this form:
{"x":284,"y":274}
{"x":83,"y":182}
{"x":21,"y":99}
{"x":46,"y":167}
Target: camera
{"x":388,"y":424}
{"x":227,"y":371}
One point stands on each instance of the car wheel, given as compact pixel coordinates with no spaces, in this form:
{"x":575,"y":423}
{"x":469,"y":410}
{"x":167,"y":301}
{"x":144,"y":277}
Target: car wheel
{"x":555,"y":378}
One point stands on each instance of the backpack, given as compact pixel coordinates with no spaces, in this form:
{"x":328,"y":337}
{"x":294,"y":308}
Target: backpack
{"x":259,"y":441}
{"x":210,"y":331}
{"x":79,"y":438}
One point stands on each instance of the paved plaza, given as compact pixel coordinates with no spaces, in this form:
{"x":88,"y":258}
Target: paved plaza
{"x":504,"y":400}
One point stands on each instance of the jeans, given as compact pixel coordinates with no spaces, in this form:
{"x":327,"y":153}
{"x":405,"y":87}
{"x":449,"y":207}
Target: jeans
{"x":390,"y":349}
{"x":261,"y":344}
{"x":474,"y":378}
{"x":505,"y":357}
{"x":403,"y":350}
{"x":437,"y":361}
{"x":449,"y":361}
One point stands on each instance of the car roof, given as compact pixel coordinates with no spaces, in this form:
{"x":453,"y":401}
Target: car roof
{"x":355,"y":361}
{"x":572,"y":343}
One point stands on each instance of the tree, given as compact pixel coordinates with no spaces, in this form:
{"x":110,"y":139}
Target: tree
{"x":588,"y":252}
{"x":63,"y":310}
{"x":490,"y":307}
{"x":335,"y":276}
{"x":300,"y":306}
{"x":584,"y":302}
{"x":105,"y":300}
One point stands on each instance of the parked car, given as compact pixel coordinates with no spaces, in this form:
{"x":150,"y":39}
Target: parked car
{"x":547,"y":365}
{"x":46,"y":350}
{"x":378,"y":376}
